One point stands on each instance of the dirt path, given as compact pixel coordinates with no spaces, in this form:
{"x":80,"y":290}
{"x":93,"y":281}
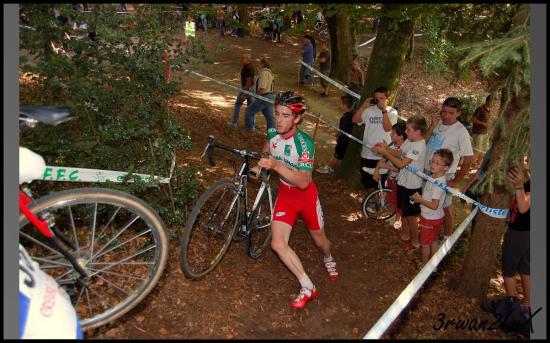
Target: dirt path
{"x":243,"y":298}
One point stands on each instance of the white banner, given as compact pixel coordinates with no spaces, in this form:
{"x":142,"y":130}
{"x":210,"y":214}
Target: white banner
{"x":71,"y":174}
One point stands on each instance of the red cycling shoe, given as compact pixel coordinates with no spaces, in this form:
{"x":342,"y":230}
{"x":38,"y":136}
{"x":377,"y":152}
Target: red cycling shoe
{"x":331,"y":270}
{"x":304,"y":298}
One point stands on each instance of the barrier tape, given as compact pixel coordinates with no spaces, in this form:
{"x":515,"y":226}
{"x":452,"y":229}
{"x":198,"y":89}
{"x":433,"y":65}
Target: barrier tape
{"x":374,"y":38}
{"x":493,"y":212}
{"x":55,"y":173}
{"x":412,"y":288}
{"x":331,"y":81}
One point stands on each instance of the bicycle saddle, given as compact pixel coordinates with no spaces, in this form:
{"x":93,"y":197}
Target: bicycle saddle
{"x":371,"y":170}
{"x":31,"y":165}
{"x":51,"y":115}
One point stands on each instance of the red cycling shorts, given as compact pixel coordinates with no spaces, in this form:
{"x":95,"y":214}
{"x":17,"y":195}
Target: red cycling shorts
{"x":429,"y":229}
{"x":292,"y":201}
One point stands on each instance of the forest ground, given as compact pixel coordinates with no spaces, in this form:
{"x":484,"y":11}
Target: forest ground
{"x":244,"y":298}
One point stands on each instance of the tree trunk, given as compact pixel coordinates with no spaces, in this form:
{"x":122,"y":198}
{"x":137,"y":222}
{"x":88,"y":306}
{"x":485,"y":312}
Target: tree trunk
{"x":341,"y":44}
{"x":245,"y":19}
{"x":384,"y":69}
{"x":479,"y":264}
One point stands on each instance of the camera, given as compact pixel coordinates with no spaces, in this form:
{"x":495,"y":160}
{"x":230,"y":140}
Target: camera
{"x":374,"y":101}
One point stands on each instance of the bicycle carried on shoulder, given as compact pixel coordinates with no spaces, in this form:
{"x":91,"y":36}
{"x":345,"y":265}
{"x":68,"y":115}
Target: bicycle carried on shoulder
{"x":377,"y":204}
{"x":223,"y":214}
{"x":106,"y":248}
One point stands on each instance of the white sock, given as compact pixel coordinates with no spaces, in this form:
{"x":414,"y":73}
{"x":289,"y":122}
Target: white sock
{"x":445,"y":237}
{"x":328,"y":259}
{"x":306,"y":282}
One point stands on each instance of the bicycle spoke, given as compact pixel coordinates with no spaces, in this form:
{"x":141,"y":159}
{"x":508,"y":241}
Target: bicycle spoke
{"x":126,"y":259}
{"x":112,"y":284}
{"x":74,"y":229}
{"x":52,"y":262}
{"x":93,"y":231}
{"x":110,"y":220}
{"x":121,"y":275}
{"x":115,"y":237}
{"x":124,"y":264}
{"x":123,"y":243}
{"x":32,"y":239}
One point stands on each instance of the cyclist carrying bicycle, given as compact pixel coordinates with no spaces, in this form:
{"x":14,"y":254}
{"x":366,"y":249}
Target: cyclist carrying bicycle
{"x":291,"y":156}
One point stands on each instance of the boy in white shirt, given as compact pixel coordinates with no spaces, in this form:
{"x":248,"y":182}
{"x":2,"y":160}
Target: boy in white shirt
{"x":413,"y":152}
{"x":431,"y":202}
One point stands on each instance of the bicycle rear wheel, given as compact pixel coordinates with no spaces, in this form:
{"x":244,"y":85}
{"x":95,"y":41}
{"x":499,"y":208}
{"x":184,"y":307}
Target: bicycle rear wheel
{"x":209,"y":229}
{"x":377,"y":205}
{"x":259,"y":225}
{"x":119,"y":241}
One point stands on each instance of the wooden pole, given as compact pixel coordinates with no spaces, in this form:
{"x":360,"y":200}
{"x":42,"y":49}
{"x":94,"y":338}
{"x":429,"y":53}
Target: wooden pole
{"x":316,"y":126}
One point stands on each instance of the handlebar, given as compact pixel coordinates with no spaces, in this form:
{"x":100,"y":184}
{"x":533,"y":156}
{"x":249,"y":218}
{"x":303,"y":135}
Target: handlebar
{"x":213,"y":144}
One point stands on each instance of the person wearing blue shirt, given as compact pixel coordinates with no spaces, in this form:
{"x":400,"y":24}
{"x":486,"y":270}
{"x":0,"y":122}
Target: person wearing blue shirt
{"x":308,"y":57}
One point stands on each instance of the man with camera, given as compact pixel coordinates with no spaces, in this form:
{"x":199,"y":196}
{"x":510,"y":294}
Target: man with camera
{"x":378,"y":118}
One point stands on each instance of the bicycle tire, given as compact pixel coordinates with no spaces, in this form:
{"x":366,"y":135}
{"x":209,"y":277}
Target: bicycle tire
{"x":123,"y":267}
{"x":201,"y":233}
{"x":259,"y":225}
{"x":372,"y":207}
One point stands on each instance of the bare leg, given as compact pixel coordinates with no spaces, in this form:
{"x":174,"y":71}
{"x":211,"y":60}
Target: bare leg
{"x":405,"y":231}
{"x":425,"y":253}
{"x":321,"y":241}
{"x":526,"y":285}
{"x":334,"y":162}
{"x":510,"y":286}
{"x":412,"y":222}
{"x":448,"y":221}
{"x":279,"y":243}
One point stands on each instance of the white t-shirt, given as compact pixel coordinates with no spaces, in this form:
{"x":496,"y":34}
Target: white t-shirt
{"x":429,"y":193}
{"x":454,"y":137}
{"x":45,"y":309}
{"x":374,"y":132}
{"x":416,"y":151}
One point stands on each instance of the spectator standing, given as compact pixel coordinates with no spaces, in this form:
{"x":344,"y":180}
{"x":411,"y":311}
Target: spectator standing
{"x":204,"y":21}
{"x":445,"y":131}
{"x":264,"y":85}
{"x":247,"y":82}
{"x":398,"y":137}
{"x":278,"y":28}
{"x":516,"y":244}
{"x":189,"y":30}
{"x":346,"y":125}
{"x":480,"y":126}
{"x":431,"y":204}
{"x":235,"y":30}
{"x":413,"y":153}
{"x":308,"y":58}
{"x":324,"y":66}
{"x":357,"y":78}
{"x":221,"y":20}
{"x":378,"y":119}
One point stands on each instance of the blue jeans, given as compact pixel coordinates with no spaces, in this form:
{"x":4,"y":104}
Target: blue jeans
{"x":238,"y":103}
{"x":259,"y":105}
{"x":305,"y":73}
{"x":205,"y":23}
{"x":222,"y":27}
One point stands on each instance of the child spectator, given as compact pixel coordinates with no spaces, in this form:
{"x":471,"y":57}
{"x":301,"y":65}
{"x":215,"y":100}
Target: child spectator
{"x":346,"y":125}
{"x":413,"y":153}
{"x":431,"y":202}
{"x":398,"y":137}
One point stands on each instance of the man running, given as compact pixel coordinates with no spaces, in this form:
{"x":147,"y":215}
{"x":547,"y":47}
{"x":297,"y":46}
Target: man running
{"x":292,"y":153}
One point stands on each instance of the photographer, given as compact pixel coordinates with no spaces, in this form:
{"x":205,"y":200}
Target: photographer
{"x":378,"y":118}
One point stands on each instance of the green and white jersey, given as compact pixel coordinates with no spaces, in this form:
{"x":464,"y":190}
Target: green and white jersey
{"x":297,"y":152}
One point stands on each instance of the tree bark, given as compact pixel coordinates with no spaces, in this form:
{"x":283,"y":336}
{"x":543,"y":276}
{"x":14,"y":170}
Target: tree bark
{"x":245,"y":19}
{"x":342,"y":44}
{"x":384,"y":69}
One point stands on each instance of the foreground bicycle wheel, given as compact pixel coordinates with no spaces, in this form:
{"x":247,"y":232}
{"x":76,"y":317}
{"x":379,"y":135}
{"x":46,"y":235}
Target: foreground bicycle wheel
{"x":260,"y":227}
{"x":377,"y":205}
{"x":119,"y":241}
{"x":209,"y":229}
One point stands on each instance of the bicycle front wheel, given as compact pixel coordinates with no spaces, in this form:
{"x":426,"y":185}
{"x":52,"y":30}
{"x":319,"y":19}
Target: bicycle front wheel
{"x":118,"y":239}
{"x":209,"y":229}
{"x":377,"y":205}
{"x":259,"y":225}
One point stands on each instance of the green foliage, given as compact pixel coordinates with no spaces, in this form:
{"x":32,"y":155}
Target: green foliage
{"x":469,"y":104}
{"x":116,"y":88}
{"x":438,"y":47}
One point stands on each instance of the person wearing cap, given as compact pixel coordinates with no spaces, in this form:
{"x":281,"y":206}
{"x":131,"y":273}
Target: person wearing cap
{"x":480,"y":126}
{"x":291,"y":155}
{"x":263,"y":85}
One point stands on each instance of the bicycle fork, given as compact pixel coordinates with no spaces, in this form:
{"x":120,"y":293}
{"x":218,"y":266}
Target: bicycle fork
{"x":48,"y":230}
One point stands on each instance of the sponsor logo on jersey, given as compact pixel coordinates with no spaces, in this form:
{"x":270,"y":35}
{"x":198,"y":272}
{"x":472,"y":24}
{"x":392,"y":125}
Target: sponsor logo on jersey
{"x":280,"y":214}
{"x":288,"y":149}
{"x":305,"y":158}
